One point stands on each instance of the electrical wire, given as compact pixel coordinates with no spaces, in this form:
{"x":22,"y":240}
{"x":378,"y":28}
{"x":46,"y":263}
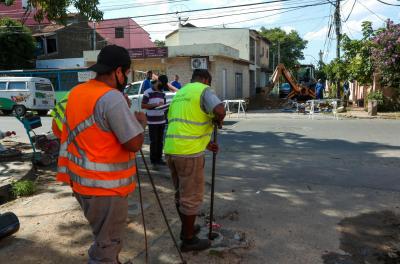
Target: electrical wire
{"x":351,"y":11}
{"x":385,"y":3}
{"x":372,"y":12}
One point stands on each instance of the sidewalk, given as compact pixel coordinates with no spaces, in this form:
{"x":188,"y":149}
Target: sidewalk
{"x":360,"y":113}
{"x":54,"y":230}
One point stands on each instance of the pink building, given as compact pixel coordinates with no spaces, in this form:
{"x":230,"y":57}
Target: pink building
{"x":17,"y":11}
{"x":123,"y":32}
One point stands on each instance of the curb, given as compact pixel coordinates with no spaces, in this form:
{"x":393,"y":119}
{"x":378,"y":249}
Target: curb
{"x":5,"y":190}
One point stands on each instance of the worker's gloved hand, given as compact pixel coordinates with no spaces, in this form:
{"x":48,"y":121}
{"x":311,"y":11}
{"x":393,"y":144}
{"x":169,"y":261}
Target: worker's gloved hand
{"x":213,"y":147}
{"x":141,"y":117}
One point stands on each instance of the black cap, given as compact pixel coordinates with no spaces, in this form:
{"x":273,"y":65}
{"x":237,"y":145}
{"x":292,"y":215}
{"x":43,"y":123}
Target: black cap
{"x":110,"y":58}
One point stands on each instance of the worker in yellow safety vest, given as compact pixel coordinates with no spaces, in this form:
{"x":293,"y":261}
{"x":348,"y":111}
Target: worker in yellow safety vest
{"x":191,"y":114}
{"x":58,"y":114}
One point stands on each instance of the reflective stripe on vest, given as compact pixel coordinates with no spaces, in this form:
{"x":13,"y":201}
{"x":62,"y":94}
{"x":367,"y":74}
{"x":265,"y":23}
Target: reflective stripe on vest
{"x":188,"y":122}
{"x":58,"y":113}
{"x":106,"y":184}
{"x":84,"y":162}
{"x":189,"y":127}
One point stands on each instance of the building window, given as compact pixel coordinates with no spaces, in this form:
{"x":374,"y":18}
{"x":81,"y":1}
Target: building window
{"x":252,"y":48}
{"x":119,"y":32}
{"x":51,"y":44}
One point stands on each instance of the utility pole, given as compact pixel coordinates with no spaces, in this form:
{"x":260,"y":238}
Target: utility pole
{"x":279,"y":52}
{"x":321,"y":54}
{"x":94,"y":35}
{"x":338,"y":26}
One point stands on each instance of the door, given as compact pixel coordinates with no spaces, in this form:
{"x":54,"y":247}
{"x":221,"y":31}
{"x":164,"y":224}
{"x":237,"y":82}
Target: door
{"x":239,"y":85}
{"x":224,"y":84}
{"x":252,"y":83}
{"x":44,"y":95}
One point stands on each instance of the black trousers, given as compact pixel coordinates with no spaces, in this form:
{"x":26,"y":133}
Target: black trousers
{"x":156,"y":133}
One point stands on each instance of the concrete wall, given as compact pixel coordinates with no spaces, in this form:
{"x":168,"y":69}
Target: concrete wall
{"x":182,"y":67}
{"x":235,"y":38}
{"x":73,"y":40}
{"x":61,"y":63}
{"x":211,"y":49}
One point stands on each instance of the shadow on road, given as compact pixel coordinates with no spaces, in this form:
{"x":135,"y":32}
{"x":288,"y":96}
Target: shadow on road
{"x":368,"y":238}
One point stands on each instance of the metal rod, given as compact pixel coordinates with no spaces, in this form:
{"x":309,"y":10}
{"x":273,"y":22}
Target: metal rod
{"x":162,"y":209}
{"x":210,"y":236}
{"x":141,"y":208}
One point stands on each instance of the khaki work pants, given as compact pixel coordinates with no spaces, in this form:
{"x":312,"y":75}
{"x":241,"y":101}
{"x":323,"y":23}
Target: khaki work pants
{"x":188,"y":178}
{"x":107,"y":218}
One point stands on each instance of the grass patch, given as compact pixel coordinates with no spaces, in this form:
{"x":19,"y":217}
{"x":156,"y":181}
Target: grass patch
{"x":23,"y":188}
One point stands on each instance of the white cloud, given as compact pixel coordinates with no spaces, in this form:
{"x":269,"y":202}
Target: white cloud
{"x":319,"y":34}
{"x":233,"y":17}
{"x":288,"y":29}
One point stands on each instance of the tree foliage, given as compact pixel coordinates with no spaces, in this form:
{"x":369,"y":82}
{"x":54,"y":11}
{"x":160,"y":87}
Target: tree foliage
{"x":291,"y":45}
{"x":17,"y":45}
{"x":56,"y":10}
{"x":378,"y":51}
{"x":357,"y":55}
{"x":386,"y":54}
{"x":159,"y":43}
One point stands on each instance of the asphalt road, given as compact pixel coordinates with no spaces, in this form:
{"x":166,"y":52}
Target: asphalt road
{"x":293,"y":183}
{"x":10,"y":123}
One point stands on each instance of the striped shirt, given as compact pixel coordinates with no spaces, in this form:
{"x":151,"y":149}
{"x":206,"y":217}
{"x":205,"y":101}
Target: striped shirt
{"x":154,"y":117}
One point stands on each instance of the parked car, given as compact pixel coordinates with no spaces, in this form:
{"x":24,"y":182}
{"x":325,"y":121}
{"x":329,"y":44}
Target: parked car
{"x":135,"y":94}
{"x":28,"y":93}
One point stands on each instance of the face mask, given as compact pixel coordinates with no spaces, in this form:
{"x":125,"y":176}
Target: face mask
{"x":121,"y":86}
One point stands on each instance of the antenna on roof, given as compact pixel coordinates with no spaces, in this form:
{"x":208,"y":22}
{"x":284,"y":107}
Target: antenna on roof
{"x":179,"y":11}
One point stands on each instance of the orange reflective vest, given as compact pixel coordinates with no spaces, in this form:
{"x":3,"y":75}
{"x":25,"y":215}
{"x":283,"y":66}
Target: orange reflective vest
{"x":92,"y":160}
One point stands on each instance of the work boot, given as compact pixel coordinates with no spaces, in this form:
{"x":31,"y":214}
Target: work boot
{"x":197,"y":228}
{"x":191,"y":242}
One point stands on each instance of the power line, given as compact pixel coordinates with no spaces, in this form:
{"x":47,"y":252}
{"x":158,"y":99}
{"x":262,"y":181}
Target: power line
{"x":351,"y":11}
{"x":385,"y":3}
{"x":372,"y":12}
{"x":236,"y":14}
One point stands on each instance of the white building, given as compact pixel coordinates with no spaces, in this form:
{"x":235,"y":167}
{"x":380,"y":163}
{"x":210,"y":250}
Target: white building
{"x":252,"y":47}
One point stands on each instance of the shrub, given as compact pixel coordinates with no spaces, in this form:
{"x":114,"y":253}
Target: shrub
{"x":23,"y":188}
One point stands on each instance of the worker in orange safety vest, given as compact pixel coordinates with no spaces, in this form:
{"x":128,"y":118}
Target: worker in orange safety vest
{"x":99,"y":139}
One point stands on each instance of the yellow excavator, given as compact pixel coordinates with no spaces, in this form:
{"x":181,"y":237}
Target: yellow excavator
{"x":300,"y":91}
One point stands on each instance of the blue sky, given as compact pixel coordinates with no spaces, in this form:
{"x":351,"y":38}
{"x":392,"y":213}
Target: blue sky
{"x":310,"y":22}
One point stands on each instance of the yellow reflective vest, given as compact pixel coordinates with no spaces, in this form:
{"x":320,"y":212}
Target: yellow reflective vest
{"x":189,"y":127}
{"x":58,"y":113}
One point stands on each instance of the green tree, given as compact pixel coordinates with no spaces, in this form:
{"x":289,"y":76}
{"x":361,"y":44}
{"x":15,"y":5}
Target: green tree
{"x":159,"y":43}
{"x":56,"y":10}
{"x":357,"y":55}
{"x":291,"y":45}
{"x":17,"y":45}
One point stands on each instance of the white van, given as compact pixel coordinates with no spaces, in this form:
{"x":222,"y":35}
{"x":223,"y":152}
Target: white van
{"x":28,"y":93}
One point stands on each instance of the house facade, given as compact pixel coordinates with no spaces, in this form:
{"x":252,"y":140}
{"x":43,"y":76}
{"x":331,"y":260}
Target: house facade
{"x":123,"y":32}
{"x":252,"y":47}
{"x":221,"y":61}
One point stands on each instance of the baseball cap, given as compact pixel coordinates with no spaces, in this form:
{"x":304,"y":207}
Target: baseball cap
{"x":110,"y":58}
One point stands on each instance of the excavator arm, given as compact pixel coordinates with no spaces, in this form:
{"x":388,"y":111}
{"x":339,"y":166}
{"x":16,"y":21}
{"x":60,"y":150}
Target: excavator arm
{"x":297,"y":89}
